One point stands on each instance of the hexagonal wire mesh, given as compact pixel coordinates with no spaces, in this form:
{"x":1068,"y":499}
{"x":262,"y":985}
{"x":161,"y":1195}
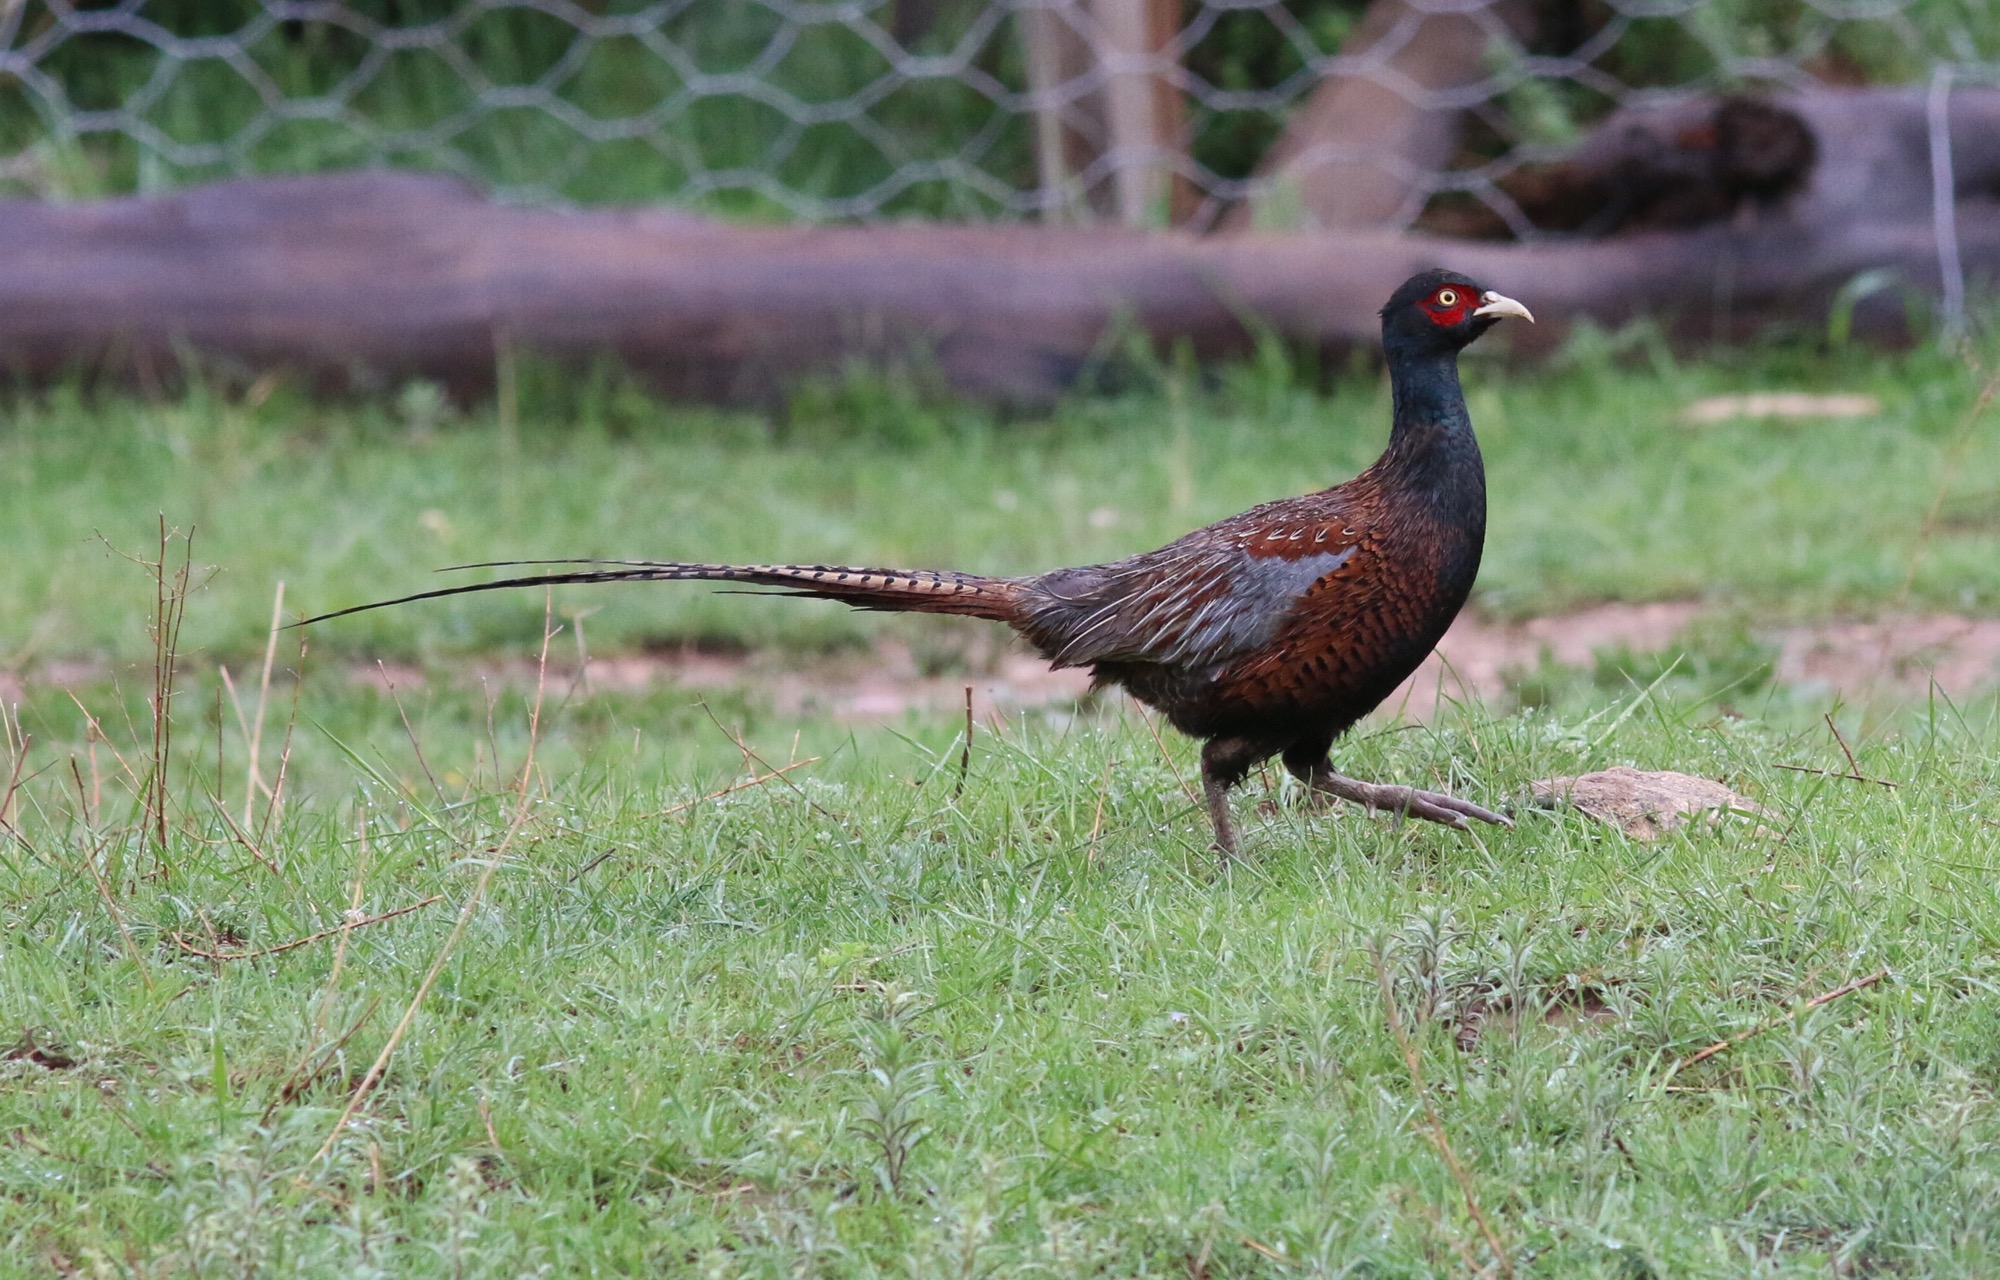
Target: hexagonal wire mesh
{"x":1143,"y":110}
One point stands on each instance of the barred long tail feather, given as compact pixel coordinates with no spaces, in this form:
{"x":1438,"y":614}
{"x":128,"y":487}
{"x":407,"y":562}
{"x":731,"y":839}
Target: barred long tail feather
{"x":890,"y":590}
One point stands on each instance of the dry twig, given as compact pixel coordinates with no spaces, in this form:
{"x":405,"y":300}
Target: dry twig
{"x":344,"y":927}
{"x":1853,"y":773}
{"x":169,"y":611}
{"x":751,"y":758}
{"x":1262,"y":1249}
{"x":733,"y":787}
{"x":1434,"y":1122}
{"x":410,"y":732}
{"x":1828,"y":773}
{"x":1168,"y":756}
{"x":745,"y":785}
{"x":309,"y":1068}
{"x":239,"y":835}
{"x":965,"y":751}
{"x":1097,"y":818}
{"x":366,"y":1088}
{"x":13,"y":778}
{"x":117,"y":916}
{"x":1825,"y":997}
{"x":277,"y":793}
{"x":254,"y":781}
{"x":301,"y":1075}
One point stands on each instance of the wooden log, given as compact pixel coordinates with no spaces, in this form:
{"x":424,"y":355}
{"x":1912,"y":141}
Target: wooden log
{"x":369,"y":279}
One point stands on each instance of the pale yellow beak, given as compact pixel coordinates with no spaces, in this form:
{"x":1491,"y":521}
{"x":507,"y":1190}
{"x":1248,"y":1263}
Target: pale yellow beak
{"x":1497,"y":304}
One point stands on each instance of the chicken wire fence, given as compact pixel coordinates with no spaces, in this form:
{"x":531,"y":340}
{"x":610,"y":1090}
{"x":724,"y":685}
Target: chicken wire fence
{"x":1144,"y":111}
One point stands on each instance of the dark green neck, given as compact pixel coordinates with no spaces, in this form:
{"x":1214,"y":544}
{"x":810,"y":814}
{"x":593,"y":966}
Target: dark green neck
{"x":1430,"y":437}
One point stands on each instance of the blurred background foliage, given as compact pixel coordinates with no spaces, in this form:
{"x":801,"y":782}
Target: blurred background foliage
{"x":782,"y":109}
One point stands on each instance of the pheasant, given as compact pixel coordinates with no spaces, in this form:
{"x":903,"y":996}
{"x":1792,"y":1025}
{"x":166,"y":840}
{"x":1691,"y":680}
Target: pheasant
{"x":1267,"y":634}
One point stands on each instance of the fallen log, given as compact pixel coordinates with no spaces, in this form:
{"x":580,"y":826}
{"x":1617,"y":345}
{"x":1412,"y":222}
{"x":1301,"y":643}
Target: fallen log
{"x":370,"y":279}
{"x":1665,"y":170}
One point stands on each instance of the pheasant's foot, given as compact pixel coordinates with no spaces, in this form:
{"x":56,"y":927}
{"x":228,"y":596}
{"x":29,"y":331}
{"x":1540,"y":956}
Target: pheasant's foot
{"x":1433,"y":806}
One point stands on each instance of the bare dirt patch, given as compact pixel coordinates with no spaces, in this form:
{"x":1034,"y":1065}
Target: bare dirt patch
{"x":1897,"y":657}
{"x":883,"y":683}
{"x":1479,"y":659}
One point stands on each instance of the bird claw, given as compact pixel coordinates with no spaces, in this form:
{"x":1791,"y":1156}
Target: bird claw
{"x":1408,"y":802}
{"x":1447,"y":810}
{"x":1451,"y":811}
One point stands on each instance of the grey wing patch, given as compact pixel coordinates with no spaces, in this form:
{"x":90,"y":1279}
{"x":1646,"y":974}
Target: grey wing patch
{"x":1151,"y":609}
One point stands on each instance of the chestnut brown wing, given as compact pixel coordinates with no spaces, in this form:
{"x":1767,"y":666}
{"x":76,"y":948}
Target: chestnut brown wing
{"x":1213,"y":596}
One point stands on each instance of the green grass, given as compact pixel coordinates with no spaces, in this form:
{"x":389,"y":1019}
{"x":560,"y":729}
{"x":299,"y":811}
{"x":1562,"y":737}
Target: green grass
{"x":862,"y":1021}
{"x":867,"y":1024}
{"x":1597,"y":493}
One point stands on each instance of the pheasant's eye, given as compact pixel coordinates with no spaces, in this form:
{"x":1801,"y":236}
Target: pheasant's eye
{"x":1447,"y":297}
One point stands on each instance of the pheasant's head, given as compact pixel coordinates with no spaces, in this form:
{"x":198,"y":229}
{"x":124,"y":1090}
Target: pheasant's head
{"x":1440,"y":312}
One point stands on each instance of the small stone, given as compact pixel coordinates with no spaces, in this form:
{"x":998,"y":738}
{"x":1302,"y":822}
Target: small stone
{"x":1644,"y":805}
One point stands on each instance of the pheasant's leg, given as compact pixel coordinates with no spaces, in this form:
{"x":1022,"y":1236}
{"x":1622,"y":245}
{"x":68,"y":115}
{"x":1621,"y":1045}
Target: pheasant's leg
{"x":1435,"y":806}
{"x":1218,"y":813}
{"x":1224,"y":762}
